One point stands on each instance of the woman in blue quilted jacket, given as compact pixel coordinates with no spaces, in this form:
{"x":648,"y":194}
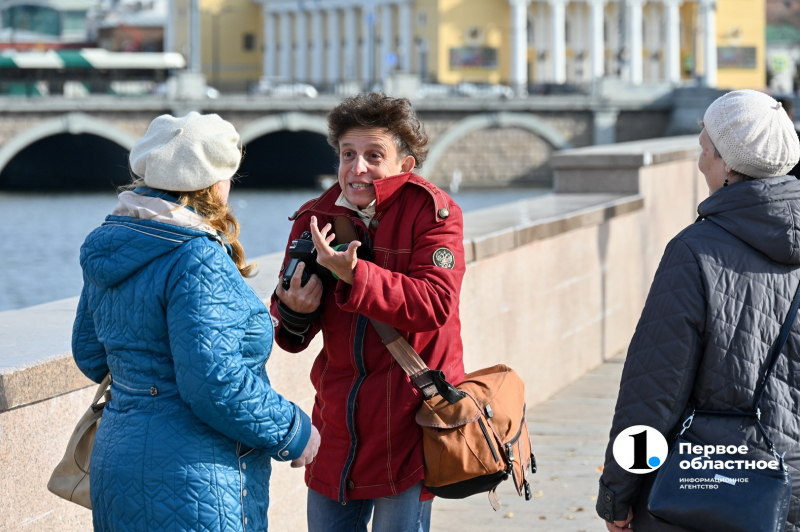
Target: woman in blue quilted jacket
{"x":187,"y":440}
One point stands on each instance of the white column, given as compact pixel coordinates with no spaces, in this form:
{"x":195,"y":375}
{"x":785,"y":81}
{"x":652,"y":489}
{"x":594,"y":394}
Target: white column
{"x":351,"y":45}
{"x":634,"y":32}
{"x":195,"y":58}
{"x":169,"y":29}
{"x":387,"y":40}
{"x":519,"y":45}
{"x":558,"y":43}
{"x":708,"y":8}
{"x":613,"y":66}
{"x":652,"y":36}
{"x":576,"y":37}
{"x":270,"y":44}
{"x":672,"y":44}
{"x":334,"y":47}
{"x":540,"y":41}
{"x":406,"y":25}
{"x":597,"y":46}
{"x":367,"y":43}
{"x":301,"y":46}
{"x":286,"y":46}
{"x":318,"y":48}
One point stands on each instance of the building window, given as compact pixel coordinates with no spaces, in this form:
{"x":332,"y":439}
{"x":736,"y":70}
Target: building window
{"x":35,"y":19}
{"x":249,"y":42}
{"x":74,"y":21}
{"x":481,"y":57}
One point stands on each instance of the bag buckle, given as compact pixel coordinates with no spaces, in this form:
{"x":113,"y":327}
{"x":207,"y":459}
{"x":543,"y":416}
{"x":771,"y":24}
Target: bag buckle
{"x":687,"y":423}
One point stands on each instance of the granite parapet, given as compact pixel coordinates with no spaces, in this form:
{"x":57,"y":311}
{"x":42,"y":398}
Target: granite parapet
{"x":38,"y":367}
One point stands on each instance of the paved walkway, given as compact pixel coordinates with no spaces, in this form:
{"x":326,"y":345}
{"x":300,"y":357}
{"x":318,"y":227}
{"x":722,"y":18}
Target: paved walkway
{"x":569,"y":433}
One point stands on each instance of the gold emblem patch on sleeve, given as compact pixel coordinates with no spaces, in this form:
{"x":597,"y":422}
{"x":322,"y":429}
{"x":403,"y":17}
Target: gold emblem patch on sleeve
{"x":444,"y":258}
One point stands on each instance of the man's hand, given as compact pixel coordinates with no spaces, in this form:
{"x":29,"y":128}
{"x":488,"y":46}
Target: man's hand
{"x":342,"y":263}
{"x":620,"y":526}
{"x":310,"y":451}
{"x":301,"y":299}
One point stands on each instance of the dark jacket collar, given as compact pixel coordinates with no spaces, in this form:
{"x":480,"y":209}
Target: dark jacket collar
{"x":765,"y":213}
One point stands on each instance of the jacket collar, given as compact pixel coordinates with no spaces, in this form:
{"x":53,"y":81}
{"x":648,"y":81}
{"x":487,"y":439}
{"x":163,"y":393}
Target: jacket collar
{"x":388,"y":189}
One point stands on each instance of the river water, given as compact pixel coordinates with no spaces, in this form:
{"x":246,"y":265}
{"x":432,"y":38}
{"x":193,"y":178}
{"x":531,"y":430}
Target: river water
{"x":44,"y":232}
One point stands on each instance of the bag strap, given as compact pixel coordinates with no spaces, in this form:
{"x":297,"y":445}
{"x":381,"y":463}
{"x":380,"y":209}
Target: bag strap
{"x":429,"y":381}
{"x":409,"y":360}
{"x":786,"y":328}
{"x":102,"y":393}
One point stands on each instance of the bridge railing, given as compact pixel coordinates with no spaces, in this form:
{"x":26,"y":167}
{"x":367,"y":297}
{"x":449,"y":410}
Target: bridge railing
{"x":554,"y":287}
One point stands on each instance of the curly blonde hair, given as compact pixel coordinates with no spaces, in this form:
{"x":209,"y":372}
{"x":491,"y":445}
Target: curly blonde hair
{"x":218,"y":214}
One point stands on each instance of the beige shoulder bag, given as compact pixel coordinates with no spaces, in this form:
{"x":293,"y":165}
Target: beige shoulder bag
{"x":70,"y":478}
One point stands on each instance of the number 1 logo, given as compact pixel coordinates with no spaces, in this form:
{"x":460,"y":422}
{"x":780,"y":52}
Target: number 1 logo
{"x":640,"y":449}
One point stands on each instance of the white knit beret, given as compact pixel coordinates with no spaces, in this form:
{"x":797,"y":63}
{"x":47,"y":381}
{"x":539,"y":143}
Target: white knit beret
{"x":753,"y":133}
{"x":186,"y":154}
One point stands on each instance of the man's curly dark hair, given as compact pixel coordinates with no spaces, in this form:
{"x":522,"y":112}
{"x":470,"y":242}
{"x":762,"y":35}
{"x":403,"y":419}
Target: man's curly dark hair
{"x":376,"y":110}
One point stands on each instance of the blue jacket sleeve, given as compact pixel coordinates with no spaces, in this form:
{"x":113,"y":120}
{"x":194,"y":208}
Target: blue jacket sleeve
{"x":207,"y":314}
{"x":88,"y":352}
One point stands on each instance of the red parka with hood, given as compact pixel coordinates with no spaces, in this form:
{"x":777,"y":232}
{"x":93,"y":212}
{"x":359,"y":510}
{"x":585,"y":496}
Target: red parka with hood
{"x":365,"y":404}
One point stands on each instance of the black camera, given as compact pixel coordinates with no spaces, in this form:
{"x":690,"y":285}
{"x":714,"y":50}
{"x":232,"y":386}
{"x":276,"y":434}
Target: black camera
{"x":301,"y":250}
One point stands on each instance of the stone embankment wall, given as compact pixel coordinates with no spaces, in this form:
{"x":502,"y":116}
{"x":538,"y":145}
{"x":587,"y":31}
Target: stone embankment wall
{"x":554,"y":287}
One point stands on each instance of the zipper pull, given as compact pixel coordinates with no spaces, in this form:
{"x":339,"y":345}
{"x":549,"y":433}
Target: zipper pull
{"x":510,"y":452}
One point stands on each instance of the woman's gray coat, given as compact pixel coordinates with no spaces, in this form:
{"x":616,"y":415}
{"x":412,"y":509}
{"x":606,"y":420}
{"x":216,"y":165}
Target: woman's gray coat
{"x":716,"y":305}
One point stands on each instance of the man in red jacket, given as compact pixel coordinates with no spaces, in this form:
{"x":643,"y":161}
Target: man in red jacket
{"x":405,"y":270}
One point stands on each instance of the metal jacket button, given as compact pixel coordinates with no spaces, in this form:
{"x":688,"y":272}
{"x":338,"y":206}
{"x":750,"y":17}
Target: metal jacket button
{"x":351,"y":485}
{"x":444,"y":213}
{"x":285,"y":453}
{"x":244,"y":465}
{"x":244,"y":493}
{"x":608,"y":497}
{"x":607,"y":516}
{"x":153,"y":391}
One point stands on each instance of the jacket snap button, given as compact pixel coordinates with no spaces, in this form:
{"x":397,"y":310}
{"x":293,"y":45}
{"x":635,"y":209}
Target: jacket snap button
{"x":245,"y":520}
{"x":351,"y":485}
{"x":373,"y":224}
{"x":285,"y":453}
{"x":607,"y":516}
{"x":244,"y":465}
{"x":608,"y":497}
{"x":444,"y":213}
{"x":244,"y":493}
{"x":153,"y":391}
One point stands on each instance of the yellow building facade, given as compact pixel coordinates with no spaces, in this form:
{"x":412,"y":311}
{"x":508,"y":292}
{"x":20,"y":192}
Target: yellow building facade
{"x":513,"y":42}
{"x":231,"y":40}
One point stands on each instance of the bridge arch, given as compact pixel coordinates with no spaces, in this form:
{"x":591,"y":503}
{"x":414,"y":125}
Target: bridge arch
{"x":526,"y":121}
{"x":283,"y":122}
{"x":72,"y":123}
{"x":287,"y":150}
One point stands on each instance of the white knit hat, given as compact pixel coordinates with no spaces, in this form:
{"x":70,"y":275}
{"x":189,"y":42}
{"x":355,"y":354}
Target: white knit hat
{"x":186,"y":154}
{"x":753,"y":133}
